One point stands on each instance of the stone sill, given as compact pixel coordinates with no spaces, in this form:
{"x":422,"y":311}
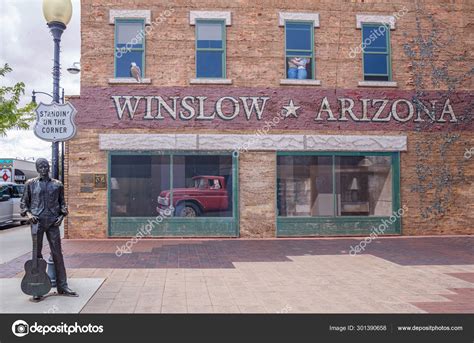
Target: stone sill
{"x":210,"y":81}
{"x":270,"y":142}
{"x":300,"y":82}
{"x":128,"y":80}
{"x":381,"y":84}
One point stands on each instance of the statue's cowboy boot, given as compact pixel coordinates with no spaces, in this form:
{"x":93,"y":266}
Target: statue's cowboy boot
{"x":67,"y":292}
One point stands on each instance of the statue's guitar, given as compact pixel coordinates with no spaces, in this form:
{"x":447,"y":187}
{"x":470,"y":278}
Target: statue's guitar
{"x":36,"y":281}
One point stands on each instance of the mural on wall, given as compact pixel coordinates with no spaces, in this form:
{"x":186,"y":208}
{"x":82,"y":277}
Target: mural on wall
{"x":436,"y":178}
{"x":440,"y":163}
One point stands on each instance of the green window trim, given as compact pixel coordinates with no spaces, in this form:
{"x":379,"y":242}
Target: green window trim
{"x":387,"y":53}
{"x":339,"y":225}
{"x":176,"y":226}
{"x":117,"y":22}
{"x":223,"y":49}
{"x":295,"y":54}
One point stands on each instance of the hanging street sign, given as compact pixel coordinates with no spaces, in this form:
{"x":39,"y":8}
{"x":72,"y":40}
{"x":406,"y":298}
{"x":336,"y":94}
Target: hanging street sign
{"x":55,"y":122}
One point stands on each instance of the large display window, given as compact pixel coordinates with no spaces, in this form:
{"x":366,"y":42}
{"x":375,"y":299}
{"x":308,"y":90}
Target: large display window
{"x":181,"y":194}
{"x":336,"y":193}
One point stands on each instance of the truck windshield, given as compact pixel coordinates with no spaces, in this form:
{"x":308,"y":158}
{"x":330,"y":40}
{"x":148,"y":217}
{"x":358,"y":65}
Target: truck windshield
{"x":200,"y":183}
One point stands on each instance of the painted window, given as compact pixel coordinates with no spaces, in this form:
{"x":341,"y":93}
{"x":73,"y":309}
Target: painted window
{"x":299,"y":50}
{"x":335,"y":185}
{"x":210,"y":49}
{"x":129,"y":46}
{"x":180,"y":185}
{"x":376,"y":48}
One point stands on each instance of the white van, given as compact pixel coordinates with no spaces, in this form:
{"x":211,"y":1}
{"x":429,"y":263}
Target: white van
{"x":10,"y":196}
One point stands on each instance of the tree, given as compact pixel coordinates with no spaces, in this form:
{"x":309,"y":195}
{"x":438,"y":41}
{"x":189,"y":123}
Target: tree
{"x":11,"y":115}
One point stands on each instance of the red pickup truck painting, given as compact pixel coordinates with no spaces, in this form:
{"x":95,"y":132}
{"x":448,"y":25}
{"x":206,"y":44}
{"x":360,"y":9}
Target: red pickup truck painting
{"x":208,"y":194}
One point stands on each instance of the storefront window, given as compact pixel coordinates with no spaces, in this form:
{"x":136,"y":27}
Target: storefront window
{"x":363,"y":185}
{"x":305,"y":186}
{"x":202,"y":186}
{"x":334,"y":185}
{"x":135,"y":184}
{"x":171,"y":185}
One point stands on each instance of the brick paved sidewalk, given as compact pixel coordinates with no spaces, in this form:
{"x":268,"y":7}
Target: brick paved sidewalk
{"x":393,"y":275}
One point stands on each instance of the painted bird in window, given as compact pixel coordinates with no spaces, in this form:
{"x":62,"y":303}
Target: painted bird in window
{"x":135,"y":72}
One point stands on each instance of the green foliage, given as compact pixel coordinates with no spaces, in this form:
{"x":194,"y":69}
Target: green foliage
{"x":12,"y":116}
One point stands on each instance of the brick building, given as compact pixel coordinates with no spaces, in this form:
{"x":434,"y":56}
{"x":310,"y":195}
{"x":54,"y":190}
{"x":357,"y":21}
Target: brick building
{"x":273,"y":118}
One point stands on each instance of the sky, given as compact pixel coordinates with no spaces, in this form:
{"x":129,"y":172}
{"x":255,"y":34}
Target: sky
{"x":27,"y":46}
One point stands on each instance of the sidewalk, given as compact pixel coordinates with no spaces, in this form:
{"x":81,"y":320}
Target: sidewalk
{"x":393,"y":275}
{"x":15,"y":241}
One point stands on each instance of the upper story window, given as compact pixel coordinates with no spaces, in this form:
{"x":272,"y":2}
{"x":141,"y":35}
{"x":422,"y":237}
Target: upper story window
{"x":210,"y":49}
{"x":375,"y":48}
{"x":129,"y":47}
{"x":299,"y":47}
{"x":211,"y":27}
{"x":299,"y":50}
{"x":376,"y":52}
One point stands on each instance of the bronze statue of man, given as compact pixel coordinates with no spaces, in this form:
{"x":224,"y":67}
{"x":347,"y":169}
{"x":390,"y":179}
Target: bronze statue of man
{"x":43,"y":203}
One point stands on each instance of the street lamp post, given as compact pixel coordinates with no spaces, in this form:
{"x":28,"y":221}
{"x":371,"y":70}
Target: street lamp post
{"x":57,"y":13}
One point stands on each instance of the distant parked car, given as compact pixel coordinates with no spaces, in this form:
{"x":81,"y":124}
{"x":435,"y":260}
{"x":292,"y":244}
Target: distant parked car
{"x":209,"y":193}
{"x":10,"y":195}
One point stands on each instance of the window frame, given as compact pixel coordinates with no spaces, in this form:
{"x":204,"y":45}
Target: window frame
{"x":117,"y":22}
{"x":388,"y":53}
{"x":222,"y":22}
{"x":338,"y":225}
{"x":177,"y":226}
{"x":313,"y":57}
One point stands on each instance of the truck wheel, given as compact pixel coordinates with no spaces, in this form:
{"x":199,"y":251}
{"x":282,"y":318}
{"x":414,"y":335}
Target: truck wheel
{"x":187,"y":210}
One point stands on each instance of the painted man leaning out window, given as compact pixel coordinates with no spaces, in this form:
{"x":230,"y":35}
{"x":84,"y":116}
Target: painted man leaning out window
{"x":297,"y":68}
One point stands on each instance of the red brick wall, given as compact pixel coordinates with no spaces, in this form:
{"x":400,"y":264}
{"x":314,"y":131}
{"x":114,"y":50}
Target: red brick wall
{"x":432,"y":58}
{"x":437,"y":33}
